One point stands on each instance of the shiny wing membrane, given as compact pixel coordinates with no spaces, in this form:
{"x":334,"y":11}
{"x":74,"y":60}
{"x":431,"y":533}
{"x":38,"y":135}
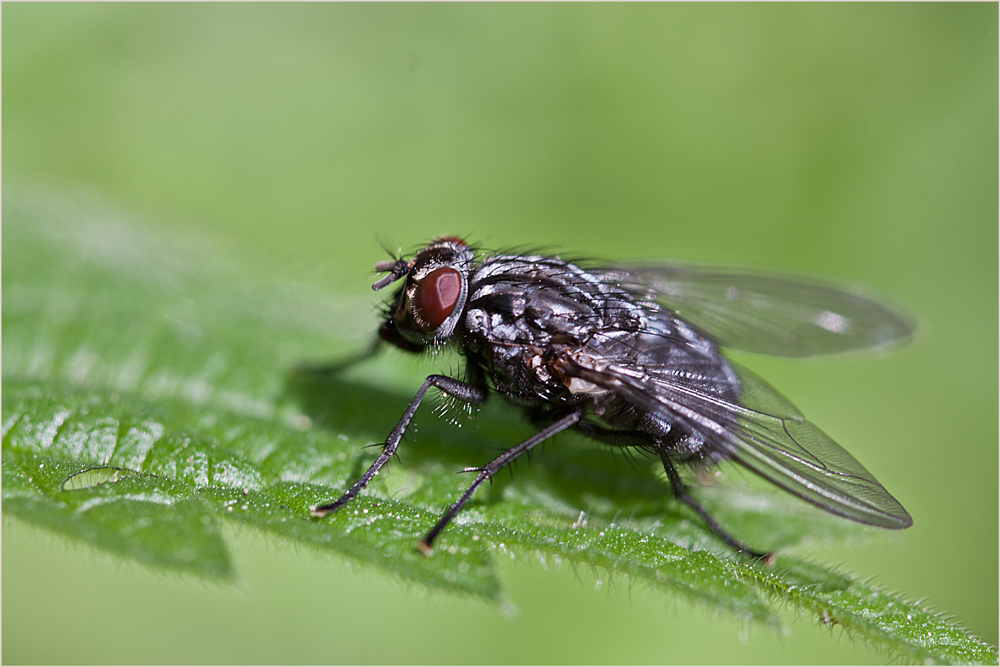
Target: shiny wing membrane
{"x":783,"y":316}
{"x":766,"y":434}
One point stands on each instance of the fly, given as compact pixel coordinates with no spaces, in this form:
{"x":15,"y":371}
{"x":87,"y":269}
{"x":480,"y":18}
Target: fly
{"x":629,"y":355}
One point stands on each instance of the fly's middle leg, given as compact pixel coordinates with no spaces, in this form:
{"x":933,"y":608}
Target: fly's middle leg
{"x":491,"y":468}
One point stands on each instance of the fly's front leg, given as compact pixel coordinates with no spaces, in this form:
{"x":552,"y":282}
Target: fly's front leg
{"x":387,"y":333}
{"x":492,"y":468}
{"x":463,"y":391}
{"x":323,"y":370}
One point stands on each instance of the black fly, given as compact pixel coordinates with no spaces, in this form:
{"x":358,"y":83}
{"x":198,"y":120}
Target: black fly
{"x":629,"y":355}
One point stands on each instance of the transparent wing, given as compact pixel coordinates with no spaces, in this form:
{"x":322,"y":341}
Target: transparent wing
{"x":766,"y":434}
{"x":784,"y":316}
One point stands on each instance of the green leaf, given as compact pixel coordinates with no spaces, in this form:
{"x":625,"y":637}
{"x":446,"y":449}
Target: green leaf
{"x":157,"y":387}
{"x":887,"y":622}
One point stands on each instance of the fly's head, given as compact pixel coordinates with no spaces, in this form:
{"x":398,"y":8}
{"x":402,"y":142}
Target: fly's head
{"x":426,"y":310}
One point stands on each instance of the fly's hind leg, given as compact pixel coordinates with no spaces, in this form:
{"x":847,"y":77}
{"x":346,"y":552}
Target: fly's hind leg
{"x":681,"y":493}
{"x":652,"y":443}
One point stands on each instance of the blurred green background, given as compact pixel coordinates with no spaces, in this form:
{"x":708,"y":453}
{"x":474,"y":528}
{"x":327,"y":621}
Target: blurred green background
{"x":858,"y":142}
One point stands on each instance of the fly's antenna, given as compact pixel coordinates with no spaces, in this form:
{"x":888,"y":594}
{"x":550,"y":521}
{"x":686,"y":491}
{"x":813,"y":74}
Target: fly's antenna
{"x":396,"y":268}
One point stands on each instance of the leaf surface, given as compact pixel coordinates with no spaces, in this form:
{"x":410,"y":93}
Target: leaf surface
{"x":156,"y":387}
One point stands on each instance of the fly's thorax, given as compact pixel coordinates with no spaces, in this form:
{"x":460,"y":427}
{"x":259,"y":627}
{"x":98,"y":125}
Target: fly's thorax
{"x":525,"y":313}
{"x":534,"y":299}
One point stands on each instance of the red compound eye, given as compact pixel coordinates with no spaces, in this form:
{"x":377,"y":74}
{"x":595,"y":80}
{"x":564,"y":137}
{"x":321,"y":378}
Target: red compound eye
{"x":437,"y":295}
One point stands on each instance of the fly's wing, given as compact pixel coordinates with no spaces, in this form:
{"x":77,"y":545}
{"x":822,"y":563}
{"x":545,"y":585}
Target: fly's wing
{"x":783,"y":316}
{"x":764,"y":433}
